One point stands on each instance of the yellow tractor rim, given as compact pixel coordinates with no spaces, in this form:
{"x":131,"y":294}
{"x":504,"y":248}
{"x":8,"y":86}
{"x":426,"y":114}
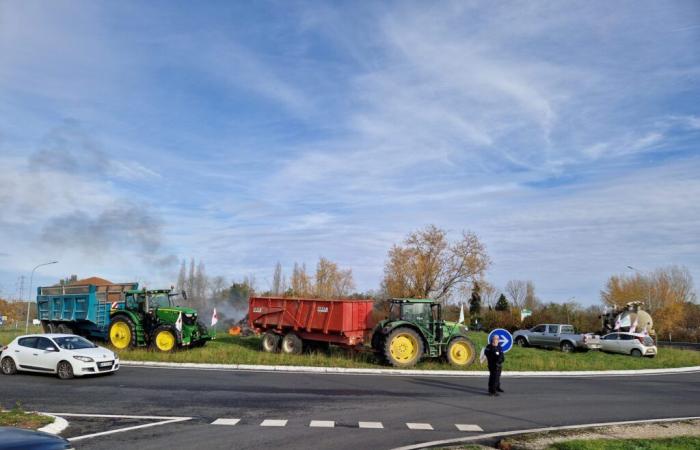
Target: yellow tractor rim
{"x":165,"y":341}
{"x":460,"y":352}
{"x":403,"y":347}
{"x":120,"y":335}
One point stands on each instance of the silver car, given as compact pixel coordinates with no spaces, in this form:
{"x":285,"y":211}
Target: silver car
{"x":635,"y":344}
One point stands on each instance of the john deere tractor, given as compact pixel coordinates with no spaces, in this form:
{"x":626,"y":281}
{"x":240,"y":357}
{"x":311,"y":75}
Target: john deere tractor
{"x":415,"y":328}
{"x":150,"y":318}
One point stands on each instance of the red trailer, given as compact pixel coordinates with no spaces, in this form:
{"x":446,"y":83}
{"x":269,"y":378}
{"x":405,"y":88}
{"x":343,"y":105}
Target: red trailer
{"x":292,"y":321}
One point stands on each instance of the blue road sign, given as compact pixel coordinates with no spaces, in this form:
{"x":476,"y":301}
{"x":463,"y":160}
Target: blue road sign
{"x":504,"y":337}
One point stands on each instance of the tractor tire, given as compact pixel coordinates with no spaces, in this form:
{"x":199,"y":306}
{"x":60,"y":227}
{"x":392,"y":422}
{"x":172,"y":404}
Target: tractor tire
{"x":636,"y":353}
{"x":403,"y":347}
{"x":64,"y":370}
{"x":62,"y":328}
{"x":202,"y":330}
{"x":164,"y":339}
{"x":8,"y":367}
{"x":122,"y":333}
{"x":292,"y":344}
{"x":521,"y":342}
{"x":567,"y":347}
{"x":270,"y":342}
{"x":461,"y":352}
{"x":378,"y":340}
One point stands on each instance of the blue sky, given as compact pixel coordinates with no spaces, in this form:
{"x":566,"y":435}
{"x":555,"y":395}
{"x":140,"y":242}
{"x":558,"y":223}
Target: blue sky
{"x":135,"y":134}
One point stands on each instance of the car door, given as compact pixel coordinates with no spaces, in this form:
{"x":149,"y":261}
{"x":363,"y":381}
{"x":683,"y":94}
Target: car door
{"x":609,"y":343}
{"x":46,"y":355}
{"x":626,"y":343}
{"x":536,"y":335}
{"x":551,"y":337}
{"x":23,"y":352}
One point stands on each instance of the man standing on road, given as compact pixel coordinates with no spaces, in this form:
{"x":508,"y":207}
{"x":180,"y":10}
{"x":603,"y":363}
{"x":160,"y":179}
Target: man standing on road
{"x":495,"y":357}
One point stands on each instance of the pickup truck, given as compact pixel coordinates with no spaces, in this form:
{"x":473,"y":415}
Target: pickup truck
{"x":556,"y":336}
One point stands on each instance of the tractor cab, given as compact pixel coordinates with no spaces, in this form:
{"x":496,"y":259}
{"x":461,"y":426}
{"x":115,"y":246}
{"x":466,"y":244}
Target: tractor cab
{"x":424,"y":313}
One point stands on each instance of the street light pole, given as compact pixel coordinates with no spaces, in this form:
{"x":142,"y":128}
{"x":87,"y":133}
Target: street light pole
{"x":29,"y":302}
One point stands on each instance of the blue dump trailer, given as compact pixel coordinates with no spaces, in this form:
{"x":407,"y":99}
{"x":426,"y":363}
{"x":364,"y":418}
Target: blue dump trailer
{"x":80,"y":309}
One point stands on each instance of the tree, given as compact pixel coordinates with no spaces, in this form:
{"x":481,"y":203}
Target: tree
{"x":427,"y":265}
{"x":489,"y":294}
{"x":517,"y":291}
{"x":332,"y":282}
{"x":475,"y":300}
{"x":301,"y":285}
{"x":182,"y":277}
{"x":190,"y":279}
{"x":277,"y":280}
{"x":502,"y":304}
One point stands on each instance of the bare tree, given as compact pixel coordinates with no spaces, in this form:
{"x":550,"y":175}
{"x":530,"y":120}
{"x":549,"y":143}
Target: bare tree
{"x":428,"y":265}
{"x":277,"y":288}
{"x":517,"y":291}
{"x":489,"y":294}
{"x":182,"y":277}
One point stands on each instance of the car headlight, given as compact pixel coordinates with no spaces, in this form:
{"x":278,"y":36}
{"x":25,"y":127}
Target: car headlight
{"x":83,"y":358}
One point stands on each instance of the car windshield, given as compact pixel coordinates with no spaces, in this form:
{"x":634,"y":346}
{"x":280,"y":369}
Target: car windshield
{"x":160,"y":300}
{"x":73,"y":343}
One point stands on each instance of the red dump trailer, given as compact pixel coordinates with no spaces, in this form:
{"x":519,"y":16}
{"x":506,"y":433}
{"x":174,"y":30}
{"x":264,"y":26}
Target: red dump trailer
{"x":287,"y":322}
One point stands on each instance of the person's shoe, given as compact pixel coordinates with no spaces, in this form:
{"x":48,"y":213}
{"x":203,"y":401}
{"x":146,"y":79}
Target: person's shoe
{"x":500,"y":390}
{"x":491,"y":394}
{"x":496,"y":394}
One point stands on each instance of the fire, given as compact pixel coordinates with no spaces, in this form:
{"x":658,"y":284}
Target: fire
{"x":234,"y":331}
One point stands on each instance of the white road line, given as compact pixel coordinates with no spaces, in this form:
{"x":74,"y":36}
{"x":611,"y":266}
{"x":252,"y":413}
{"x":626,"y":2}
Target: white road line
{"x":115,"y":416}
{"x":464,"y":427}
{"x":419,"y":426}
{"x":478,"y":437}
{"x":370,"y":425}
{"x":121,"y":430}
{"x":322,"y":423}
{"x":226,"y":421}
{"x":273,"y":423}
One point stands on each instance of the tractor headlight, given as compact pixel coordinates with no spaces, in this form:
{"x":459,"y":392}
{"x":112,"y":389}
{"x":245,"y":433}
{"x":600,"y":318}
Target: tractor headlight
{"x":189,"y":316}
{"x":84,"y":358}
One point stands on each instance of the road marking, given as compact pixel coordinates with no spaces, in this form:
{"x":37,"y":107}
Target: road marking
{"x":479,"y":437}
{"x":162,"y":421}
{"x":370,"y":425}
{"x":463,"y":427}
{"x":419,"y":426}
{"x":226,"y":421}
{"x":322,"y":423}
{"x":273,"y":423}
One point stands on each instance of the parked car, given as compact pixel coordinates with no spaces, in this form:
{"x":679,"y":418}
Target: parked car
{"x":66,"y":355}
{"x":553,"y":335}
{"x":17,"y":438}
{"x":635,"y":344}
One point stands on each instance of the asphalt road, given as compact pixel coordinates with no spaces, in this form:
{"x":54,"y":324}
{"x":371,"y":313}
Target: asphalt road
{"x":345,"y":400}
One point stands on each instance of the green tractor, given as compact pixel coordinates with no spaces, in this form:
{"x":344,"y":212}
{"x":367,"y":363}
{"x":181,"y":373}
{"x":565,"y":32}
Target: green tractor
{"x":415,"y":328}
{"x":150,"y":318}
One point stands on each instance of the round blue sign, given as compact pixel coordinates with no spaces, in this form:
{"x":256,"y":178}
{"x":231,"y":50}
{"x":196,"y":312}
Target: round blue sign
{"x":504,"y":337}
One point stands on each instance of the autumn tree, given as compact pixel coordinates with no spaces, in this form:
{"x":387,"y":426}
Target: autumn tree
{"x":332,"y":282}
{"x":489,"y":294}
{"x":300,"y":283}
{"x":427,"y":265}
{"x":278,"y":282}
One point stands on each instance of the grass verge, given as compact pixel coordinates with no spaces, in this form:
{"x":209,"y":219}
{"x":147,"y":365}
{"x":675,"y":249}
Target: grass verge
{"x":17,"y":417}
{"x":676,"y":443}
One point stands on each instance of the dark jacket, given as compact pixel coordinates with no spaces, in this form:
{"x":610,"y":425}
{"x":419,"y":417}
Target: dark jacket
{"x":494,"y":355}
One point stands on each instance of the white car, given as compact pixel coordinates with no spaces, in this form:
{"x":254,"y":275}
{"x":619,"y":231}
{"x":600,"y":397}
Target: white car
{"x":66,"y":355}
{"x":635,"y":344}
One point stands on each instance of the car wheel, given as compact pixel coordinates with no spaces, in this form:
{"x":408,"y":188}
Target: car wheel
{"x":521,"y":341}
{"x":636,"y":353}
{"x":65,"y":370}
{"x":8,"y":366}
{"x":567,"y":347}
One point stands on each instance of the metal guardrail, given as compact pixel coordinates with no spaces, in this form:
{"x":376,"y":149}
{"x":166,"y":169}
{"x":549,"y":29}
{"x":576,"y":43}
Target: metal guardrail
{"x":682,"y":345}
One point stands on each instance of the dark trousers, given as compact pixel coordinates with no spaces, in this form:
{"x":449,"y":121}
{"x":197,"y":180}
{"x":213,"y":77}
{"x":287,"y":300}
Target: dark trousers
{"x":494,"y":378}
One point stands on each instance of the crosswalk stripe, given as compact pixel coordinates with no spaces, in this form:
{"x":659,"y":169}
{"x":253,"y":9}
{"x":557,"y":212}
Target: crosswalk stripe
{"x":322,"y":423}
{"x":419,"y":426}
{"x":463,"y":427}
{"x":273,"y":423}
{"x":370,"y":425}
{"x":226,"y":421}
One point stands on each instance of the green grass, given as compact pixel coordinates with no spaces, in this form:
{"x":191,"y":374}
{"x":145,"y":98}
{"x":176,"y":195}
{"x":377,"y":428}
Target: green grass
{"x":676,"y":443}
{"x":246,"y":350}
{"x":17,"y":417}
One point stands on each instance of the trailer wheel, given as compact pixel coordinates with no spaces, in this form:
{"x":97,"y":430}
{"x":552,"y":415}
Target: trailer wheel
{"x":164,"y":338}
{"x":292,"y":344}
{"x":403,"y":347}
{"x":460,"y":352}
{"x":121,"y":333}
{"x":270,"y":342}
{"x":64,"y":329}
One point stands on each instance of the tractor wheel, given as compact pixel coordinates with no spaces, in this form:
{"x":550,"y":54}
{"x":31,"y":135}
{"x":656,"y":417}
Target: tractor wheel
{"x":403,"y":347}
{"x":567,"y":347}
{"x":270,"y":342}
{"x":292,"y":344}
{"x":64,"y":370}
{"x":521,"y":341}
{"x":121,"y":333}
{"x":62,"y":328}
{"x":164,"y":339}
{"x":460,"y":352}
{"x":8,"y":366}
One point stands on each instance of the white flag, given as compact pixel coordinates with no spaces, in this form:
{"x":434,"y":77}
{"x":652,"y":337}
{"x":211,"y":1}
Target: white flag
{"x":461,"y":315}
{"x":178,"y":322}
{"x":634,"y":326}
{"x":646,"y":333}
{"x":214,"y":318}
{"x":482,"y":355}
{"x":617,"y":323}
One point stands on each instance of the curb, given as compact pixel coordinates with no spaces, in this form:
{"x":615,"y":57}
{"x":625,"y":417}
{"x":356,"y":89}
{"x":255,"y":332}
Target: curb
{"x":401,"y":372}
{"x":59,"y":424}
